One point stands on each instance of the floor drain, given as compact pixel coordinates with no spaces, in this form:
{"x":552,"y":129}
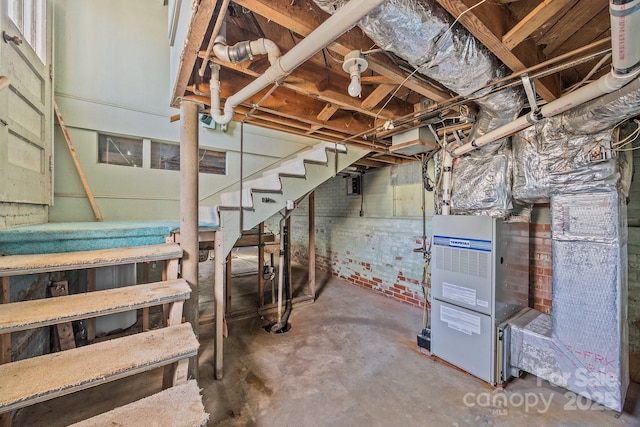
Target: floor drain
{"x":284,"y":330}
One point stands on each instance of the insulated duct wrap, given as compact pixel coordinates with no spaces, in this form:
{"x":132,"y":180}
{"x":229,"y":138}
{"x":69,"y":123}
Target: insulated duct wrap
{"x":554,"y":155}
{"x":589,"y":264}
{"x":548,"y":161}
{"x":605,"y":112}
{"x":583,"y":346}
{"x":421,"y":32}
{"x":482,"y":185}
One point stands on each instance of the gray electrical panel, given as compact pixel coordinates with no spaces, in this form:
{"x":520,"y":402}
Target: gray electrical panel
{"x":479,"y":278}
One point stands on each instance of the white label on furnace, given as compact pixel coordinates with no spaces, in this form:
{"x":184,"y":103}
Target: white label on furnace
{"x":482,"y":303}
{"x":459,"y":293}
{"x":460,"y":321}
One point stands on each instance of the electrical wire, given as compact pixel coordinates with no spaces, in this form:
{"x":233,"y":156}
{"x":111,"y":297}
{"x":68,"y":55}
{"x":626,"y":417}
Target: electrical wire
{"x":586,"y":78}
{"x":629,"y":139}
{"x":456,"y":21}
{"x":416,"y":70}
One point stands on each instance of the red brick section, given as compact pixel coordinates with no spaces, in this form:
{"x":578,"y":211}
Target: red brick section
{"x":539,"y":272}
{"x":398,"y":290}
{"x":540,"y":267}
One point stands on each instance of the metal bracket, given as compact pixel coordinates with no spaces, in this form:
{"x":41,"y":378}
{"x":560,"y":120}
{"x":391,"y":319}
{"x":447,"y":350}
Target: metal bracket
{"x":530,"y":90}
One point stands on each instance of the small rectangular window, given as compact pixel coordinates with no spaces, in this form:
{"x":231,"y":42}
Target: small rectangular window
{"x":213,"y":162}
{"x":167,"y":156}
{"x":118,"y":150}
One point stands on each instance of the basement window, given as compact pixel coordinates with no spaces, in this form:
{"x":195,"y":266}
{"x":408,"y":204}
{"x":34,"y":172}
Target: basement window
{"x":119,"y":150}
{"x":214,"y":162}
{"x":167,"y":156}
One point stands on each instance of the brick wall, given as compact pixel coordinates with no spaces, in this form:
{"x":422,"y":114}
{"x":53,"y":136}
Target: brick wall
{"x":13,"y":214}
{"x":540,"y":264}
{"x":373,"y":251}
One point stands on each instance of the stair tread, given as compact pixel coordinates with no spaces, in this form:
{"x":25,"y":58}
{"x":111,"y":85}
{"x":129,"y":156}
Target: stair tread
{"x":41,"y":378}
{"x":14,"y":265}
{"x":179,"y":406}
{"x":43,"y":312}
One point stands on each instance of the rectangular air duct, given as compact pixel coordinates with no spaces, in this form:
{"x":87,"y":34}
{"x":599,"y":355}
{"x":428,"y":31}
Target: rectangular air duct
{"x":414,"y":141}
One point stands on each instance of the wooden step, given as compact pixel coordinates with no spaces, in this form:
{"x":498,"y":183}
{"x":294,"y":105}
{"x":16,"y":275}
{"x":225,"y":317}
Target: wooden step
{"x":15,"y":265}
{"x":41,"y":378}
{"x":44,"y":312}
{"x":179,"y":406}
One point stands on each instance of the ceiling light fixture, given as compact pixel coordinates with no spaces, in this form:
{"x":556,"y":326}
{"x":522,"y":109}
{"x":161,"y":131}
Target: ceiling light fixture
{"x":354,"y":64}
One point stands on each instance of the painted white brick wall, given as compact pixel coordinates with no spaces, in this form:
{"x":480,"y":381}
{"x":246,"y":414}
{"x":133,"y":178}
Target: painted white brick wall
{"x":13,"y":214}
{"x":374,"y":251}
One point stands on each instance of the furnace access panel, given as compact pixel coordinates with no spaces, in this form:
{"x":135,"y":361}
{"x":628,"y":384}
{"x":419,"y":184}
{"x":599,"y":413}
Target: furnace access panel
{"x":479,"y":278}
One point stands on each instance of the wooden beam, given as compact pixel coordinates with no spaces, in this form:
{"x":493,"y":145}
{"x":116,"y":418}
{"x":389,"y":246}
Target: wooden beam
{"x":375,"y":80}
{"x":228,"y":284}
{"x":303,"y":16}
{"x":76,"y":162}
{"x":538,"y":16}
{"x":569,"y":24}
{"x":303,"y":83}
{"x":488,"y":22}
{"x":377,"y":96}
{"x":5,"y":341}
{"x":200,"y":20}
{"x":218,"y":294}
{"x":370,"y":163}
{"x":327,"y":112}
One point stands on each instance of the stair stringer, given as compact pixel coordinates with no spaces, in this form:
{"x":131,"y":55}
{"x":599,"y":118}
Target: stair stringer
{"x":265,"y":205}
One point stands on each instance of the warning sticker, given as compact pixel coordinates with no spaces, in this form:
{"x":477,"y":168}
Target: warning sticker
{"x":459,"y":293}
{"x":460,"y":321}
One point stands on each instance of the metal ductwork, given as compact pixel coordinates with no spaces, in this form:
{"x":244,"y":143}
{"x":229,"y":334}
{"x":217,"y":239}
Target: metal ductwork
{"x":422,"y":33}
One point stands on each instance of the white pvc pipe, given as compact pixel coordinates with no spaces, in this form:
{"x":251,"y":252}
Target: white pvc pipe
{"x":447,"y":171}
{"x":243,"y":51}
{"x":625,"y":24}
{"x":605,"y":84}
{"x":338,"y":23}
{"x":625,"y":19}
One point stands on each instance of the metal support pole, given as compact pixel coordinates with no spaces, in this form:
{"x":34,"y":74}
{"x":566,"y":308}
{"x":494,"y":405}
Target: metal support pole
{"x":189,"y":214}
{"x":260,"y":265}
{"x":312,"y":244}
{"x":218,"y":293}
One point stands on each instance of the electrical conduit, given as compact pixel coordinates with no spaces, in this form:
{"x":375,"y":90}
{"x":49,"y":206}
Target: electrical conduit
{"x":343,"y":20}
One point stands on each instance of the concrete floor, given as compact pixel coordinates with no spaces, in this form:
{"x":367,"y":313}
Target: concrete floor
{"x":350,"y":359}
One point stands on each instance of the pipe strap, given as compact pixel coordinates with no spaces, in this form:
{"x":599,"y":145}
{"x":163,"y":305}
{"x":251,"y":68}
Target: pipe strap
{"x":618,"y":13}
{"x":629,"y":70}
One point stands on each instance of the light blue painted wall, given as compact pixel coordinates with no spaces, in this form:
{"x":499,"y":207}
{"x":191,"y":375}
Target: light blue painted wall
{"x":112,"y":75}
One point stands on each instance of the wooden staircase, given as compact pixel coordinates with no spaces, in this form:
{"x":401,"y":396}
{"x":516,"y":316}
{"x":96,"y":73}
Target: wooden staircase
{"x":264,"y":195}
{"x":34,"y":380}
